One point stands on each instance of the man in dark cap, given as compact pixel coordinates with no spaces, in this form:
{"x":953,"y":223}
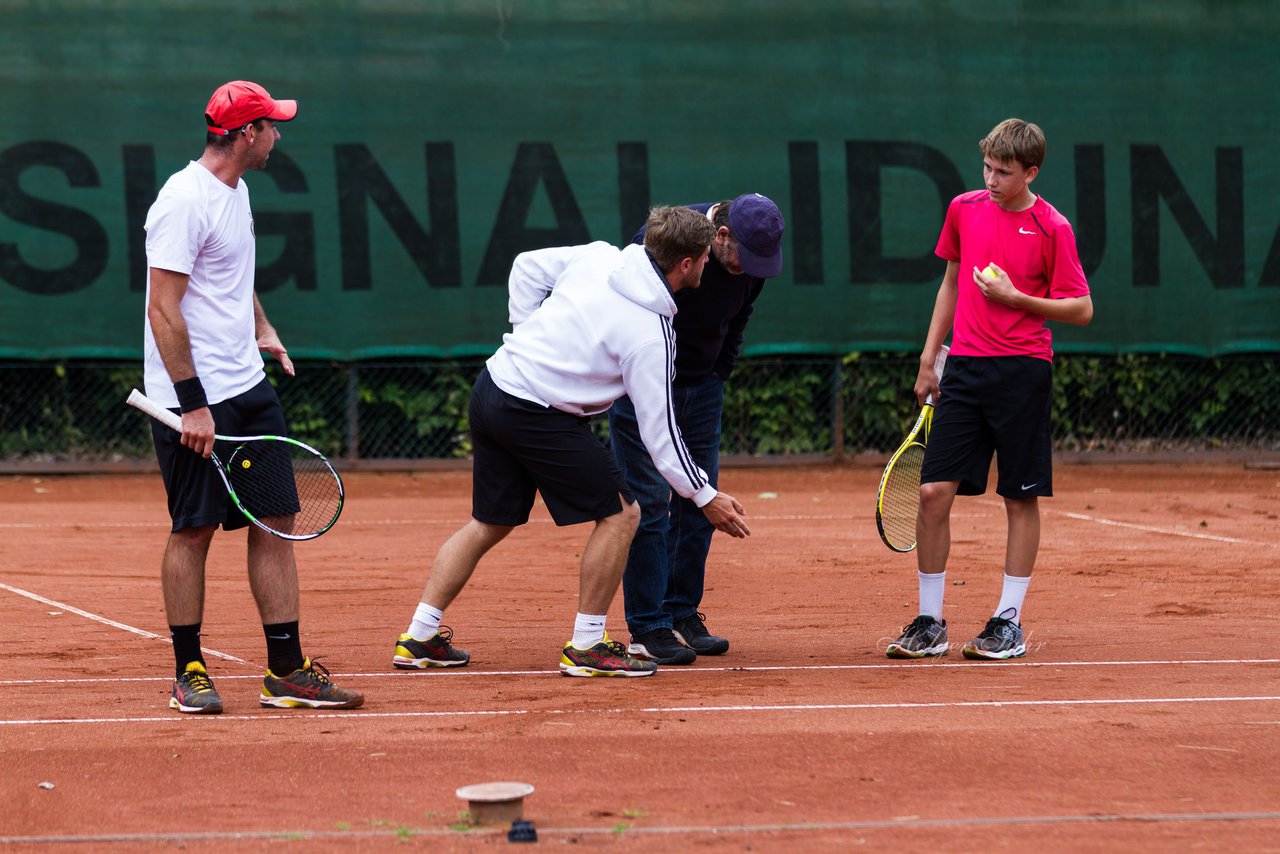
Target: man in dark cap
{"x":666,"y":567}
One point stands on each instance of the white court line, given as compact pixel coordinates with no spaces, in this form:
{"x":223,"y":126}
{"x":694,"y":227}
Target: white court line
{"x":664,"y":710}
{"x":488,"y":833}
{"x":456,"y":673}
{"x":100,"y":619}
{"x":1149,"y":529}
{"x":348,"y":523}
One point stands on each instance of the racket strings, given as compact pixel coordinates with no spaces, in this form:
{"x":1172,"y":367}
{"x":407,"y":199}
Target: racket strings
{"x":285,"y":486}
{"x":901,"y":499}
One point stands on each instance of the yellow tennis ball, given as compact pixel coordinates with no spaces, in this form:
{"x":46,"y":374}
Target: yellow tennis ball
{"x":990,"y":272}
{"x":244,"y":464}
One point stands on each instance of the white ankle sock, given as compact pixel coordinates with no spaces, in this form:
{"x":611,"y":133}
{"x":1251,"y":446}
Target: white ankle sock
{"x":426,"y":621}
{"x":933,"y":586}
{"x":1015,"y":590}
{"x":588,"y":630}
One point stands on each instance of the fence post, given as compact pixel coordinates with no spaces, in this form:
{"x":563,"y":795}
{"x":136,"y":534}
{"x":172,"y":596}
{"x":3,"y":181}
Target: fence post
{"x":837,"y":413}
{"x":353,"y":412}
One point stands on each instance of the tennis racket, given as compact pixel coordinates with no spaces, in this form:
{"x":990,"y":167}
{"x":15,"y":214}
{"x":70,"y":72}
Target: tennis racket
{"x":898,"y":499}
{"x":283,"y":486}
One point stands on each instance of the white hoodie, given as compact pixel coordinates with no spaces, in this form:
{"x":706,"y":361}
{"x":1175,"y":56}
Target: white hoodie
{"x":590,"y":324}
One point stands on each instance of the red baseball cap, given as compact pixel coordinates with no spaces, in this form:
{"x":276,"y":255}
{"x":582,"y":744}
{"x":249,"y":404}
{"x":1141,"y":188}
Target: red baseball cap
{"x":240,"y":102}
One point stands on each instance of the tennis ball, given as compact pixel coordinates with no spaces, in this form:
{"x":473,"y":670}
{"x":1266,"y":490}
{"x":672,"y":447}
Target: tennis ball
{"x":244,"y":464}
{"x":990,"y":272}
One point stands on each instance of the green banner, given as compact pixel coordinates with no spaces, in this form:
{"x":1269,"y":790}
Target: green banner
{"x":436,"y":140}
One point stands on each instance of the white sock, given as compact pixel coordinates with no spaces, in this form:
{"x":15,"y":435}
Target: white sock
{"x":588,"y":630}
{"x":1015,"y":590}
{"x":933,"y":585}
{"x":426,"y":622}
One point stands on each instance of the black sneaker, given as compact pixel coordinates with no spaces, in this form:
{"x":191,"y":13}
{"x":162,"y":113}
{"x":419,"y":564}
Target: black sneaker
{"x":692,"y":632}
{"x":193,"y":692}
{"x":308,"y":687}
{"x":1000,"y":639}
{"x":660,"y":645}
{"x":435,"y":651}
{"x":925,"y":636}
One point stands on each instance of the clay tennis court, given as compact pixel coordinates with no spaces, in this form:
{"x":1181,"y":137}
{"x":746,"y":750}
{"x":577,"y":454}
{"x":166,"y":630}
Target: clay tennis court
{"x":1146,"y":714}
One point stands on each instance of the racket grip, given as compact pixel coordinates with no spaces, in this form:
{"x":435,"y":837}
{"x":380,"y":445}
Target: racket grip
{"x":141,"y":401}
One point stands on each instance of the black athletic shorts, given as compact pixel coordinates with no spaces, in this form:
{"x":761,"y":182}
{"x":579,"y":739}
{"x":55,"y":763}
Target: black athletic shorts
{"x":197,"y":495}
{"x":993,"y":405}
{"x":521,"y":448}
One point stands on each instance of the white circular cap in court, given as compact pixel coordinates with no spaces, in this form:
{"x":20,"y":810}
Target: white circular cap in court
{"x":495,"y":792}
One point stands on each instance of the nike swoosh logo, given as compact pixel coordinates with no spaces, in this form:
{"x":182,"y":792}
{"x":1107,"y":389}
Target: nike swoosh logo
{"x":286,"y":637}
{"x":1027,"y":486}
{"x":1022,"y":230}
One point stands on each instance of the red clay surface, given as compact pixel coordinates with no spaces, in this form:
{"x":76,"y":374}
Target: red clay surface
{"x":1146,"y":715}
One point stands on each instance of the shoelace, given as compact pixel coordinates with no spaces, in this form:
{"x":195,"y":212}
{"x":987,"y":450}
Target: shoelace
{"x":919,"y":624}
{"x":198,"y":682}
{"x":318,"y":671}
{"x":617,"y":648}
{"x":445,"y":633}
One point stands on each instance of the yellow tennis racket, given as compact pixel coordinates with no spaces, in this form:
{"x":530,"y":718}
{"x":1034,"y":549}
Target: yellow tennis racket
{"x":898,"y":499}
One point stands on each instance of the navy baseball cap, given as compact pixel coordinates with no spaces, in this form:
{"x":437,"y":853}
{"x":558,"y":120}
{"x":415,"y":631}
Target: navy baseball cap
{"x":756,"y":223}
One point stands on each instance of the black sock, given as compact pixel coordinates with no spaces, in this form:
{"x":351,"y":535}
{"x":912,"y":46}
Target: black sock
{"x":284,"y":649}
{"x":186,"y":646}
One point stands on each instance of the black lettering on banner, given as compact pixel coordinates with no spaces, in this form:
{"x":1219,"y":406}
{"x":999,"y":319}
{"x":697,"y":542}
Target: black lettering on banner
{"x":864,"y":162}
{"x":437,"y":254}
{"x":804,"y":219}
{"x":139,"y":192}
{"x":1090,"y":221}
{"x":633,"y":188}
{"x":1270,"y":277}
{"x":1151,"y":178}
{"x":297,"y":260}
{"x":535,"y":163}
{"x":88,"y":235}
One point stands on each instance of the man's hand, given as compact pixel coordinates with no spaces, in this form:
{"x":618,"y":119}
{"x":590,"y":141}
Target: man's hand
{"x":727,"y":514}
{"x":197,"y":431}
{"x":270,"y":343}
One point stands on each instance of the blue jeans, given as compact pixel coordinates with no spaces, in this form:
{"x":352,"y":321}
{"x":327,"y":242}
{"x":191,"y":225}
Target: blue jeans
{"x":667,"y":564}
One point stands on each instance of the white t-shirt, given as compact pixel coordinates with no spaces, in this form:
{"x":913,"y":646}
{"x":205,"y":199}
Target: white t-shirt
{"x":200,"y":227}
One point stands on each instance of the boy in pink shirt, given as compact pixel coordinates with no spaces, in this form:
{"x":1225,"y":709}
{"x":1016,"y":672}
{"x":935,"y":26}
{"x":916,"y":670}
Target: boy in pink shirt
{"x":997,"y":388}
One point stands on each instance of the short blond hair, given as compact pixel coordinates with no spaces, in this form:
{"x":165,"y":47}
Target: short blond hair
{"x":672,"y":234}
{"x":1014,"y":139}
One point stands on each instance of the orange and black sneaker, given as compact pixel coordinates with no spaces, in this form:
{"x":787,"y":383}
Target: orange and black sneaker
{"x":193,"y":692}
{"x":435,"y":651}
{"x":606,"y":658}
{"x":308,"y":687}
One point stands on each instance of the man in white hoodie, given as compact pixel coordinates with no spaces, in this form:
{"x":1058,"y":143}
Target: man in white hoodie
{"x":590,"y":324}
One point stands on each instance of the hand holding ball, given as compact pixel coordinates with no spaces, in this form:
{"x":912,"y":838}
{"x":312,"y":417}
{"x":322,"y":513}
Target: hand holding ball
{"x":990,"y":272}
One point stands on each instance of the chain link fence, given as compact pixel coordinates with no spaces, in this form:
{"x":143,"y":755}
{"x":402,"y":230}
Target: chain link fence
{"x":70,"y":416}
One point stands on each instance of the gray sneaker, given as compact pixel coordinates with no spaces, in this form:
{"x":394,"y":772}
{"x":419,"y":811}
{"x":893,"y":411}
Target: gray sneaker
{"x":1000,"y":639}
{"x":925,"y":636}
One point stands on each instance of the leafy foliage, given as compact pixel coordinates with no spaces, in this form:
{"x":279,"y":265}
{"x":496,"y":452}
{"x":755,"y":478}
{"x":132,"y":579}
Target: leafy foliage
{"x":417,"y":409}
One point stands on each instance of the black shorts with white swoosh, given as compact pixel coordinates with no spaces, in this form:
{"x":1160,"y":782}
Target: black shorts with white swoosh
{"x":993,"y":405}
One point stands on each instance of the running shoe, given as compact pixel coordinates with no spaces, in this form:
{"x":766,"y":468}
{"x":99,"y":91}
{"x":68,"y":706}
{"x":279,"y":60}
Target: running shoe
{"x":1000,"y":639}
{"x":925,"y":636}
{"x":435,"y":651}
{"x":692,"y":632}
{"x":662,"y":647}
{"x":193,"y":692}
{"x":606,"y":658}
{"x":308,"y":687}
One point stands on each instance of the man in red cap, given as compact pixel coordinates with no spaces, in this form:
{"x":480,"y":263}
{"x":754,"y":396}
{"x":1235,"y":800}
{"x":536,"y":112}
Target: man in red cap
{"x":204,"y":334}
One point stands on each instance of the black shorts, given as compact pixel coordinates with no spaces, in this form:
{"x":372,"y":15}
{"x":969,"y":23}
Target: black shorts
{"x":522,"y":448}
{"x":993,"y":404}
{"x":197,"y":495}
